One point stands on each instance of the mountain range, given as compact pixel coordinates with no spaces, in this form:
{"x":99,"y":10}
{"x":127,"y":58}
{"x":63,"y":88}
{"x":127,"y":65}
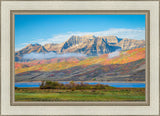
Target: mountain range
{"x":89,"y":45}
{"x":106,"y":58}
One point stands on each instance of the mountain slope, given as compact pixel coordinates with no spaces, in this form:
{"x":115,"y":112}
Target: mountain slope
{"x":127,"y":66}
{"x":64,"y":63}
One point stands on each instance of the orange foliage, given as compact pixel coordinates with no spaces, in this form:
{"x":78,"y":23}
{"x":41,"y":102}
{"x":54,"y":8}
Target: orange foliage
{"x":62,"y":63}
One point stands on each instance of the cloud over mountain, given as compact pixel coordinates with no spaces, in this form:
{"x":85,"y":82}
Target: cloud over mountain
{"x":114,"y":54}
{"x":51,"y":55}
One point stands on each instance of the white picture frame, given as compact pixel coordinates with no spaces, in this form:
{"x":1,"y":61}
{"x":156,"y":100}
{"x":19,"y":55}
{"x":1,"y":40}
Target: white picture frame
{"x":6,"y":89}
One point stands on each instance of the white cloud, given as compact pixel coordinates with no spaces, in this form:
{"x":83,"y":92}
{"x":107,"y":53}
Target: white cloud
{"x":138,"y":34}
{"x":114,"y":54}
{"x":51,"y":55}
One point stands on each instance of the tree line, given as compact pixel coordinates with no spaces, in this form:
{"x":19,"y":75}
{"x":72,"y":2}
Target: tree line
{"x":72,"y":86}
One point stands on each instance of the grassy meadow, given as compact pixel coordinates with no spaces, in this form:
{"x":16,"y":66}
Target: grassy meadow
{"x":114,"y":94}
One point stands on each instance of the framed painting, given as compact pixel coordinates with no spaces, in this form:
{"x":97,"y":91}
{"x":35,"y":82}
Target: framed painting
{"x":79,"y":57}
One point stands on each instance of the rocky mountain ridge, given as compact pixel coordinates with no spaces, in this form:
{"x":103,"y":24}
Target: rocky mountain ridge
{"x":89,"y":45}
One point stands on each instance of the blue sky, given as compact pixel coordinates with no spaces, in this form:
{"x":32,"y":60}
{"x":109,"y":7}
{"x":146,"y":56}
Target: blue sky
{"x":58,"y":28}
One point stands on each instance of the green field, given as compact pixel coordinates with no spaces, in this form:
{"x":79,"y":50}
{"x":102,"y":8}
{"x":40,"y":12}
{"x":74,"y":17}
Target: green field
{"x":115,"y":94}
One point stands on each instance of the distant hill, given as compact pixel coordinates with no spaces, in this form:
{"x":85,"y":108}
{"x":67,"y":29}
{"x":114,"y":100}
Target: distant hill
{"x":89,"y":45}
{"x":126,"y":66}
